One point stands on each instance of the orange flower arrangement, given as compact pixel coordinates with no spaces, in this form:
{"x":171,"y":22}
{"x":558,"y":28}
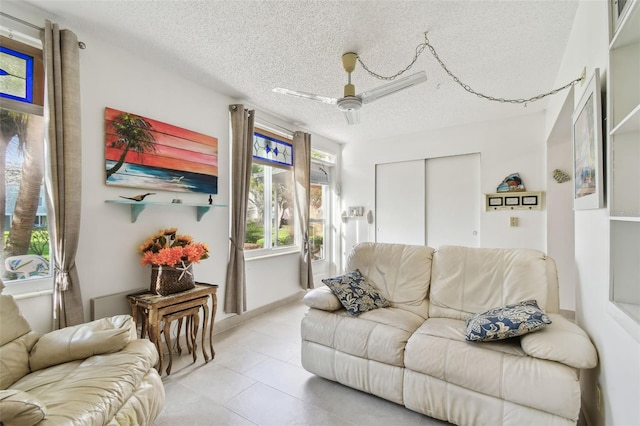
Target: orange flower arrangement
{"x":168,"y":248}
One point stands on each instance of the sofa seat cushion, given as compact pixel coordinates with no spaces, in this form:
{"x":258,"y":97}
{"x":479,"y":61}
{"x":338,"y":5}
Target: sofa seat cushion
{"x":90,"y":391}
{"x":401,"y":273}
{"x":452,"y":329}
{"x":500,"y":369}
{"x":468,"y":280}
{"x":378,"y":335}
{"x":460,"y":406}
{"x":144,"y":405}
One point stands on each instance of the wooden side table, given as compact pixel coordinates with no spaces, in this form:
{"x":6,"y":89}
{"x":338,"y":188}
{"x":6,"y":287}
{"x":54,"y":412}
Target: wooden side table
{"x":154,"y":308}
{"x":191,"y":330}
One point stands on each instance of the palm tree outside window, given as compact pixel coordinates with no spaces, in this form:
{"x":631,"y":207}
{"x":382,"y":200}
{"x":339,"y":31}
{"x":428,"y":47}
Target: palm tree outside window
{"x":24,"y":219}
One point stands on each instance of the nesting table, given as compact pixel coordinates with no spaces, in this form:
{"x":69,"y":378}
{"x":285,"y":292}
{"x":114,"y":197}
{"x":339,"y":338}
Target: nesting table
{"x":155,"y":308}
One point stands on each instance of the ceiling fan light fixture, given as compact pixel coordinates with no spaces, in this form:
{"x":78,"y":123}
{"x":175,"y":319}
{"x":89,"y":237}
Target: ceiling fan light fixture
{"x":349,"y":103}
{"x":352,"y":116}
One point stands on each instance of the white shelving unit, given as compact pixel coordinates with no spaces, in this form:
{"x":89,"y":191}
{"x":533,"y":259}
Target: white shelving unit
{"x":624,"y":156}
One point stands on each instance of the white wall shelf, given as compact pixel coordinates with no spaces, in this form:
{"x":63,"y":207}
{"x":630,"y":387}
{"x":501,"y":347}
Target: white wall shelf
{"x":624,"y":219}
{"x":623,"y":34}
{"x":629,"y":124}
{"x":623,"y":119}
{"x":138,"y":206}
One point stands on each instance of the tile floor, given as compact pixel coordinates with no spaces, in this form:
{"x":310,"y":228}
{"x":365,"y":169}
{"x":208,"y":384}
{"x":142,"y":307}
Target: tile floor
{"x":256,"y":379}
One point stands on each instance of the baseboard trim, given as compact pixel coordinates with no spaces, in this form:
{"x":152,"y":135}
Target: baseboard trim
{"x":236,"y":320}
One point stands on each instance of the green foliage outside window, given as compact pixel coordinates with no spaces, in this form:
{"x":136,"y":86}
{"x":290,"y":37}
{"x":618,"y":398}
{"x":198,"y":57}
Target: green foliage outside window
{"x":39,"y":243}
{"x":285,"y":237}
{"x":254,"y":232}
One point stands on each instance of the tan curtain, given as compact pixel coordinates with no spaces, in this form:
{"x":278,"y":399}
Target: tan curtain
{"x":302,"y":173}
{"x":235,"y":297}
{"x":64,"y":169}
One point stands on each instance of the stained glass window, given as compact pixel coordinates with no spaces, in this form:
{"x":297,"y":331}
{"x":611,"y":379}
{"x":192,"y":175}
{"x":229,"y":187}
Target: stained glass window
{"x":16,"y":75}
{"x":270,"y":221}
{"x":272,"y":150}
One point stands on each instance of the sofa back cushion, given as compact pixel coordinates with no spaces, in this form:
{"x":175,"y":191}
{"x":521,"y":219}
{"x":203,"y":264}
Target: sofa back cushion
{"x":467,"y":280}
{"x":12,"y":323}
{"x":16,"y":340}
{"x":401,"y":273}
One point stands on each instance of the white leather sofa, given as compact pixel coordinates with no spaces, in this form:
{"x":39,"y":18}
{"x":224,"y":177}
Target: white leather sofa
{"x":98,"y":373}
{"x":415,"y":351}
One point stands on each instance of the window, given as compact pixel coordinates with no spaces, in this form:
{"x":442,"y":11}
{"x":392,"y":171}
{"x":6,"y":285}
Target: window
{"x":321,"y":229}
{"x":271,"y":211}
{"x":25,"y":248}
{"x":319,"y":209}
{"x":317,"y":221}
{"x":16,"y":75}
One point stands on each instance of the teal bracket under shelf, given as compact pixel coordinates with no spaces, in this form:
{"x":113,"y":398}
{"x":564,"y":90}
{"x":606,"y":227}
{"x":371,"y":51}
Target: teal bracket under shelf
{"x":201,"y":210}
{"x":136,"y":209}
{"x":138,"y":206}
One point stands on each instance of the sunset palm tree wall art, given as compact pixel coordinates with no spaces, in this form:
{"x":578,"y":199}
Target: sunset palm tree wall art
{"x":145,"y":153}
{"x":134,"y":134}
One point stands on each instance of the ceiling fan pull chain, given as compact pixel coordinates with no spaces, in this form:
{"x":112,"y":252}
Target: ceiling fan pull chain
{"x":420,"y":48}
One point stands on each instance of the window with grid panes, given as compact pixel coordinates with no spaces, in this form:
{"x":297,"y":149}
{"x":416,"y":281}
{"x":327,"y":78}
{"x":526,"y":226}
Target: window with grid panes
{"x":271,"y":214}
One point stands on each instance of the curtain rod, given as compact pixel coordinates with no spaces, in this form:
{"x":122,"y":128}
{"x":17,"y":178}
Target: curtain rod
{"x":81,"y":44}
{"x":277,"y":126}
{"x":28,"y":24}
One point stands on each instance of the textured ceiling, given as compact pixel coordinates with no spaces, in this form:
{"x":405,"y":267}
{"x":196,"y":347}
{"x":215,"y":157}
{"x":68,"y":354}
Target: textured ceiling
{"x":509,"y":49}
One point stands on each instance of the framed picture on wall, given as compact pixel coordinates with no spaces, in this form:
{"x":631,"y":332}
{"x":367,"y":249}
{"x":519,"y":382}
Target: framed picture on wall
{"x":145,"y":153}
{"x":495,"y":201}
{"x":587,"y":148}
{"x":512,"y":201}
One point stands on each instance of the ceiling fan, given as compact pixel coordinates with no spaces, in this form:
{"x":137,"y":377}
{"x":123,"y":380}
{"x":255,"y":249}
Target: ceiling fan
{"x":351,"y":103}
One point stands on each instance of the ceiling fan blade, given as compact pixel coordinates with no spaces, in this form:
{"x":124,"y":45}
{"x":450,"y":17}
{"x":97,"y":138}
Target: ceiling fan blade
{"x":352,"y":116}
{"x":393,"y":87}
{"x":305,"y":95}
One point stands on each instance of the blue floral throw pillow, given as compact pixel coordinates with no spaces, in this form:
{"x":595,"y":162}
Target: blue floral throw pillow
{"x":508,"y":321}
{"x":355,"y":293}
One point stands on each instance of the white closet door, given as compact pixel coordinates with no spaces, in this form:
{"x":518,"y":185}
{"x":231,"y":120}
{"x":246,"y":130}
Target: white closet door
{"x":453,"y":200}
{"x":400,"y":198}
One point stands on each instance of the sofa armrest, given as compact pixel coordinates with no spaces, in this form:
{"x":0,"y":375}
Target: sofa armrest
{"x":19,"y":408}
{"x":106,"y":335}
{"x":322,"y":298}
{"x":561,"y":341}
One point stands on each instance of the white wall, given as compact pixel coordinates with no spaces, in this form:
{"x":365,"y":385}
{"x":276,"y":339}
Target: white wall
{"x":559,"y":202}
{"x":107,"y":259}
{"x":505,"y":147}
{"x":619,"y":371}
